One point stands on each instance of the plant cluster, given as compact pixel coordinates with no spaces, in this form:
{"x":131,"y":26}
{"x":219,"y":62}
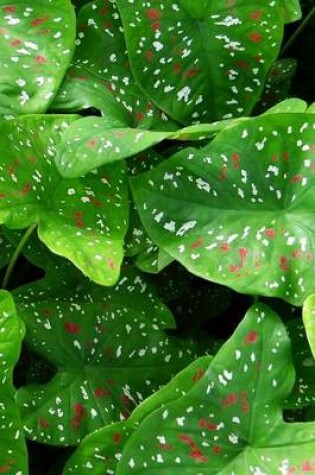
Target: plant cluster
{"x":157,"y":239}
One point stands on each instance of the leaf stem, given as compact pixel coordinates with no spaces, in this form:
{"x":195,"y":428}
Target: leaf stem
{"x":298,"y":31}
{"x":16,"y":255}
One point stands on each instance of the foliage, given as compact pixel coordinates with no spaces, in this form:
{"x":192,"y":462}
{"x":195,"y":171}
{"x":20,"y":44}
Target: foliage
{"x":157,"y":238}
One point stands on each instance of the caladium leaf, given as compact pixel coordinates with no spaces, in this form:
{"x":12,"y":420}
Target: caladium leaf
{"x":239,"y":206}
{"x":303,"y":393}
{"x":287,"y":106}
{"x":13,"y":454}
{"x":37,"y":42}
{"x":108,"y":347}
{"x":71,"y":215}
{"x":308,"y":320}
{"x":231,"y":421}
{"x":292,"y":10}
{"x":101,"y":450}
{"x":166,"y":47}
{"x":101,"y":74}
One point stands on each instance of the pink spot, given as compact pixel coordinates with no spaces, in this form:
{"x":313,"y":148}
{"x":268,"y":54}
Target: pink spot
{"x":26,"y":189}
{"x":230,"y":400}
{"x":255,"y":15}
{"x":270,"y":232}
{"x":296,"y":254}
{"x":92,"y":143}
{"x":77,"y":418}
{"x":308,"y":466}
{"x":225,"y":247}
{"x":166,"y":446}
{"x":198,"y":455}
{"x":153,"y":14}
{"x":197,"y":244}
{"x":255,"y":37}
{"x":190,"y":73}
{"x":111,"y":264}
{"x":235,"y":160}
{"x":43,"y":423}
{"x":101,"y":392}
{"x":40,"y":59}
{"x":16,"y":43}
{"x":148,"y":55}
{"x":156,"y":25}
{"x":198,"y":375}
{"x":309,"y":256}
{"x":251,"y":337}
{"x":72,"y":328}
{"x":39,"y":21}
{"x":217,"y":449}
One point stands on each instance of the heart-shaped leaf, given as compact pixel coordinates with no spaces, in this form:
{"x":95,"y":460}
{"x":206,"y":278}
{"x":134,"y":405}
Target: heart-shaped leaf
{"x":231,"y":421}
{"x":202,"y":61}
{"x":13,"y":454}
{"x":101,"y":450}
{"x":84,"y":220}
{"x":309,"y":321}
{"x":37,"y":42}
{"x":101,"y":76}
{"x":108,"y":347}
{"x":241,"y":210}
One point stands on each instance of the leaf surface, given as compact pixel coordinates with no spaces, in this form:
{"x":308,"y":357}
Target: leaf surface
{"x":13,"y":454}
{"x":241,"y":210}
{"x":37,"y":42}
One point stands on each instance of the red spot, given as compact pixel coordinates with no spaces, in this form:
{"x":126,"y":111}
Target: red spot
{"x":244,"y":403}
{"x":284,"y":264}
{"x":44,"y":31}
{"x":216,"y":449}
{"x":117,"y":438}
{"x":9,"y":9}
{"x":235,"y":160}
{"x":39,"y":21}
{"x":125,"y":399}
{"x":107,"y":25}
{"x":139,"y":116}
{"x":79,"y":224}
{"x":197,"y":244}
{"x":230,"y":400}
{"x":43,"y":423}
{"x":270,"y":232}
{"x":225,"y":247}
{"x":251,"y":337}
{"x":72,"y":328}
{"x":111,"y":264}
{"x":4,"y":468}
{"x":198,"y":375}
{"x":47,"y":312}
{"x":103,"y":11}
{"x":2,"y":195}
{"x":307,"y":466}
{"x":40,"y":59}
{"x":205,"y":424}
{"x":77,"y":418}
{"x":16,"y":43}
{"x":166,"y":446}
{"x":190,"y":73}
{"x":255,"y":37}
{"x":309,"y":256}
{"x":101,"y":392}
{"x":234,"y":268}
{"x":198,"y":455}
{"x":156,"y":25}
{"x":153,"y":14}
{"x":223,"y":173}
{"x":296,"y":178}
{"x":77,"y":214}
{"x":26,"y":189}
{"x":242,"y":64}
{"x":177,"y":67}
{"x":243,"y":252}
{"x":148,"y":55}
{"x":255,"y":15}
{"x":92,"y":143}
{"x":274,"y":158}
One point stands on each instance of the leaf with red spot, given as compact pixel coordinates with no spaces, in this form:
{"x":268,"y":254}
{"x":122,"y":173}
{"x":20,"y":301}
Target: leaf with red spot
{"x":203,"y":61}
{"x":100,"y":450}
{"x":101,"y":76}
{"x":37,"y":42}
{"x":249,"y":196}
{"x":230,"y":421}
{"x":84,"y":220}
{"x":107,"y":345}
{"x":13,"y":454}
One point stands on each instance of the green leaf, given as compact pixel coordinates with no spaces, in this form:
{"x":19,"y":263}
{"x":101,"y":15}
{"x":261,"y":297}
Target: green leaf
{"x":13,"y":454}
{"x":101,"y":450}
{"x":309,"y":321}
{"x":108,"y":347}
{"x":6,"y":249}
{"x":101,"y":75}
{"x":241,"y":210}
{"x":287,"y":106}
{"x":231,"y":421}
{"x":303,"y":393}
{"x":201,"y":61}
{"x":37,"y":42}
{"x":292,"y":10}
{"x":84,"y":220}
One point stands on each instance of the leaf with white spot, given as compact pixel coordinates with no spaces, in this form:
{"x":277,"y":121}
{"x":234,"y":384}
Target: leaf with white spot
{"x":231,"y":421}
{"x":309,"y":321}
{"x":108,"y":346}
{"x":101,"y":76}
{"x":37,"y":42}
{"x":303,"y":392}
{"x":202,"y":61}
{"x":101,"y":450}
{"x":13,"y":454}
{"x":84,"y":220}
{"x":242,"y":211}
{"x":292,"y":10}
{"x":288,"y":106}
